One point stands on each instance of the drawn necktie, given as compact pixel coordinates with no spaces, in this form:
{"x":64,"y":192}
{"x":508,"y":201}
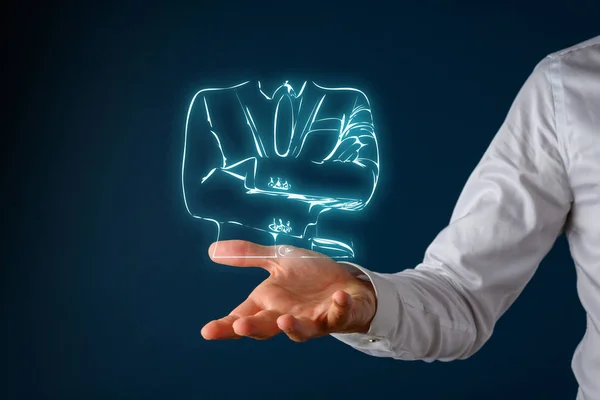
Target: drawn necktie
{"x":283,"y":125}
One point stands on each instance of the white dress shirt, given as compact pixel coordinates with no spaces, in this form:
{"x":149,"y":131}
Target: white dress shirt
{"x":539,"y":176}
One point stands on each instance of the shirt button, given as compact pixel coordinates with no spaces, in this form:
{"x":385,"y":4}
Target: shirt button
{"x":373,"y":340}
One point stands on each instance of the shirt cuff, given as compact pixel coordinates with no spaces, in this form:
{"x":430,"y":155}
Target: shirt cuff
{"x":385,"y":325}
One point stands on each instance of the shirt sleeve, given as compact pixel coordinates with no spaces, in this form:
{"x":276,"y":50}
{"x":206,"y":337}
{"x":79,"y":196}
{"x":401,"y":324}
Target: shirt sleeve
{"x":508,"y":216}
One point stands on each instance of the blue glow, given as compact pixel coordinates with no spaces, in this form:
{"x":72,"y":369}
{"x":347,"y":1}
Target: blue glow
{"x":281,"y":184}
{"x":270,"y":163}
{"x":280,"y":227}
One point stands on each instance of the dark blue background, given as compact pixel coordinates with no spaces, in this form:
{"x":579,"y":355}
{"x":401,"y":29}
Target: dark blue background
{"x":106,"y":282}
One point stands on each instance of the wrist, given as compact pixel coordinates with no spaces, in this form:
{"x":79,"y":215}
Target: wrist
{"x":369,"y":306}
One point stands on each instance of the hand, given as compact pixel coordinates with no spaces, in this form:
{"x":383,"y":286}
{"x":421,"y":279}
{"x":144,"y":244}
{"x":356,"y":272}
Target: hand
{"x":303,"y":297}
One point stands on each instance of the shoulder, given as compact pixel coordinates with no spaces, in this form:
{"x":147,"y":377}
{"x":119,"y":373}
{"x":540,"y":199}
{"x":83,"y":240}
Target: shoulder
{"x":577,"y":63}
{"x":345,"y":91}
{"x":217,"y":90}
{"x":589,"y":46}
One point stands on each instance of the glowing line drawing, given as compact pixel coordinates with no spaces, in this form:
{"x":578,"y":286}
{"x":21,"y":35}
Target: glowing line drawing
{"x":280,"y":184}
{"x":254,"y":143}
{"x":284,"y":250}
{"x":280,"y":227}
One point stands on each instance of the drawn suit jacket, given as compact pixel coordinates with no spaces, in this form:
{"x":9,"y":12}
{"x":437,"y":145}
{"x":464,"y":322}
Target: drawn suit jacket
{"x":252,"y":157}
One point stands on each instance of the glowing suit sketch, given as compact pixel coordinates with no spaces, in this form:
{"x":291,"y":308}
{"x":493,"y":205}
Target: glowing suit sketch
{"x":264,"y":165}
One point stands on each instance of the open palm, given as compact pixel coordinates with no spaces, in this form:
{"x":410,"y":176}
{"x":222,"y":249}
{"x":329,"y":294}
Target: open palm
{"x":306,"y":295}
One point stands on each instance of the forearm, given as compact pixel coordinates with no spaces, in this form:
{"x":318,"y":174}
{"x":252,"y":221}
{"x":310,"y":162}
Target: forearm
{"x":447,"y":306}
{"x":340,"y":182}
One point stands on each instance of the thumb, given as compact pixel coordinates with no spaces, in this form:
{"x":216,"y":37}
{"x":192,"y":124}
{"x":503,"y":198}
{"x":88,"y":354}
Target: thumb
{"x":339,"y":315}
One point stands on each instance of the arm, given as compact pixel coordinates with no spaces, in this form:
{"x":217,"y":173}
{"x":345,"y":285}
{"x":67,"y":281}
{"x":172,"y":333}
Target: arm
{"x":507,"y":218}
{"x":207,"y":173}
{"x":349,"y":164}
{"x":358,"y":150}
{"x":202,"y":154}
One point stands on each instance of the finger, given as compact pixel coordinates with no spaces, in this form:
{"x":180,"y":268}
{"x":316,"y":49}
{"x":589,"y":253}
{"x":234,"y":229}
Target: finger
{"x":241,"y":253}
{"x":262,"y":325}
{"x":246,"y":309}
{"x":220,"y":329}
{"x":340,"y":311}
{"x":223,"y":328}
{"x":299,"y":329}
